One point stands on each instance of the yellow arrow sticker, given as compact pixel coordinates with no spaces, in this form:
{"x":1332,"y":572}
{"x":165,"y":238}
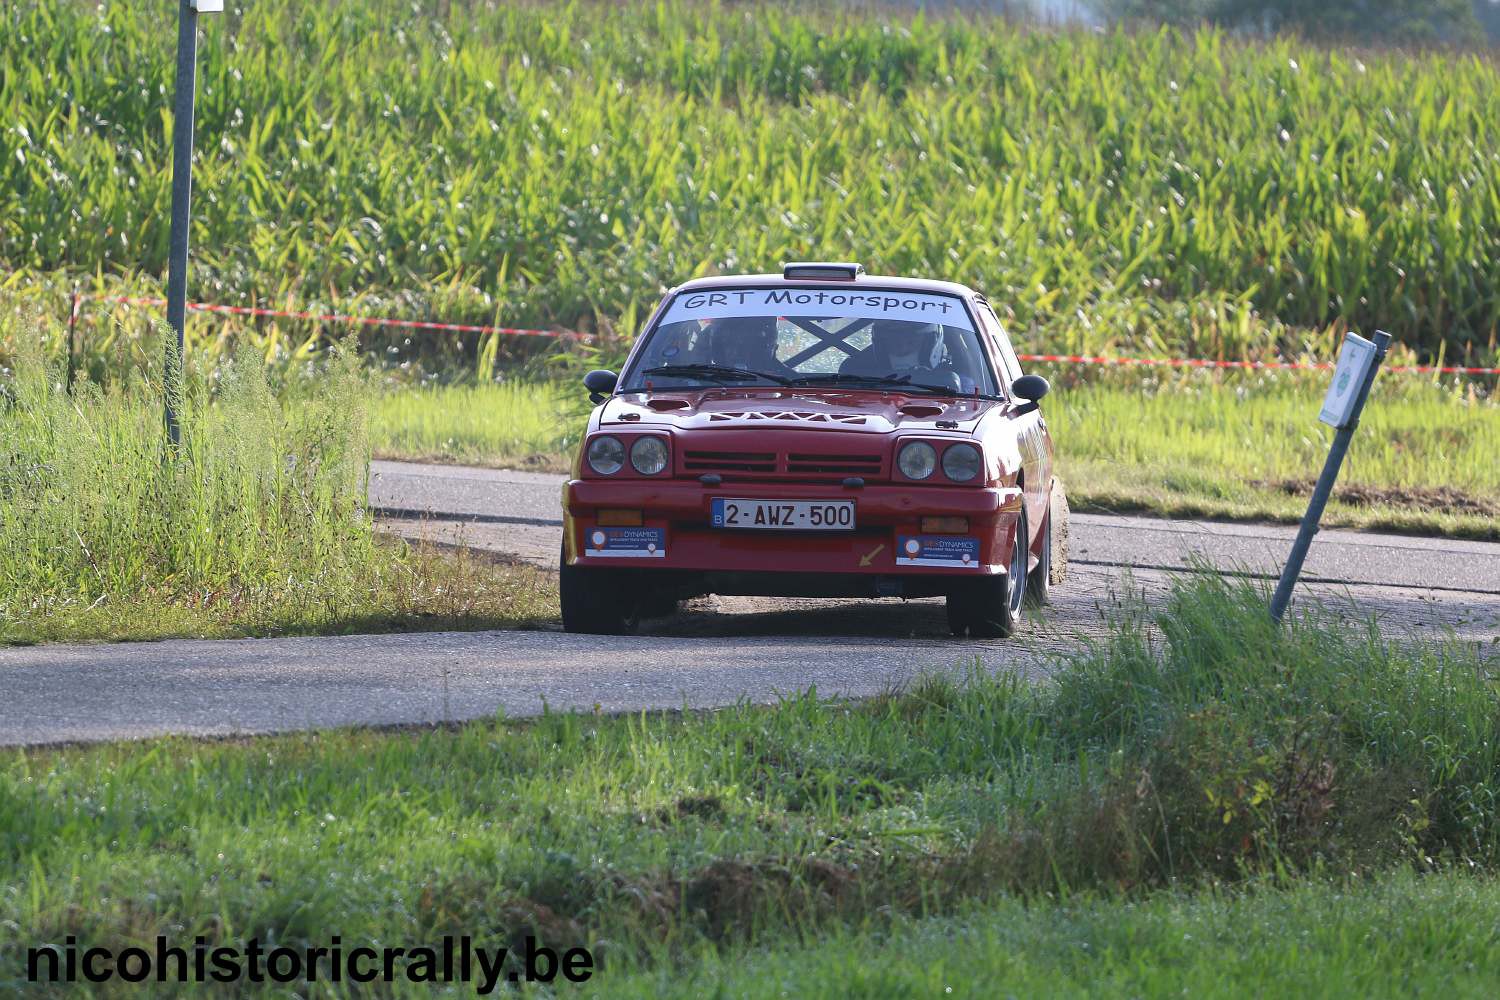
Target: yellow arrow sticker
{"x":867,"y":559}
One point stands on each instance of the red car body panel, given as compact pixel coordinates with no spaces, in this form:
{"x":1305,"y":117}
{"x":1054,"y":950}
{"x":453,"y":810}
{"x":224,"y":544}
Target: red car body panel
{"x":772,"y":443}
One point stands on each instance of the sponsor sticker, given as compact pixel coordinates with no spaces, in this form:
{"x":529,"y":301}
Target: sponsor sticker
{"x":937,"y":550}
{"x":626,"y":543}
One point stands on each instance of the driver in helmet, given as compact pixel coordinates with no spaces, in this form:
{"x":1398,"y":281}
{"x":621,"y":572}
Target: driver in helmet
{"x":680,"y":344}
{"x":899,"y":347}
{"x":747,"y":342}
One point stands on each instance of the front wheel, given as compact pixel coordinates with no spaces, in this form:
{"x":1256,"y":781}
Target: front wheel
{"x":990,"y":608}
{"x":595,"y":601}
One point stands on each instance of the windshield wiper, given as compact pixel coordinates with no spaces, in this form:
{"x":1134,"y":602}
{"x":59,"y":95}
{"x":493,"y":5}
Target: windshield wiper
{"x":716,"y":373}
{"x":833,"y":378}
{"x":902,"y":382}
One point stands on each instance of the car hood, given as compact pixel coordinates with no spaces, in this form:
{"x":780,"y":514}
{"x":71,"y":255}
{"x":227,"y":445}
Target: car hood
{"x":799,"y":409}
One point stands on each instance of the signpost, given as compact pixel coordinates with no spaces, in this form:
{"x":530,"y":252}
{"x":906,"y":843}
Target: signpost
{"x":1358,"y":362}
{"x":182,"y":190}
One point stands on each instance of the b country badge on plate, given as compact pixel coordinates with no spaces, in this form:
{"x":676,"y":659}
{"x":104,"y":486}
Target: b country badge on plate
{"x":936,"y":550}
{"x":626,"y":543}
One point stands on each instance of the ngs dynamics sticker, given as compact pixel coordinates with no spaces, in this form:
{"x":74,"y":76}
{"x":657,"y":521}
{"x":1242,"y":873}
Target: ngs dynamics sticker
{"x":626,"y":543}
{"x":937,"y":550}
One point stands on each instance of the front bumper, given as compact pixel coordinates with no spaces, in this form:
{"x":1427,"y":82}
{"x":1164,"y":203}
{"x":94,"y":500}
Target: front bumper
{"x":680,"y":511}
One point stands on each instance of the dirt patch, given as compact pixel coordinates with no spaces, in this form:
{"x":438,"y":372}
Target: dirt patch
{"x":705,"y":807}
{"x":543,"y":462}
{"x":727,"y":897}
{"x":523,"y":918}
{"x":1439,"y":499}
{"x":1061,"y":532}
{"x":552,"y":462}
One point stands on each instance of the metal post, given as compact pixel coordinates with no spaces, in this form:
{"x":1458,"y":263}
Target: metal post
{"x":1324,"y":488}
{"x":182,"y":189}
{"x":72,"y":326}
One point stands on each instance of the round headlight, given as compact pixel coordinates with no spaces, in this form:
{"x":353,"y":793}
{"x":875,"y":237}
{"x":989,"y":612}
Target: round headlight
{"x":961,"y":462}
{"x":606,"y":455}
{"x":917,"y":460}
{"x":648,"y":455}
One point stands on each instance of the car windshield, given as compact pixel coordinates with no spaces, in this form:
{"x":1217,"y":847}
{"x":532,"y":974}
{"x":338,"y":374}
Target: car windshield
{"x":814,"y":337}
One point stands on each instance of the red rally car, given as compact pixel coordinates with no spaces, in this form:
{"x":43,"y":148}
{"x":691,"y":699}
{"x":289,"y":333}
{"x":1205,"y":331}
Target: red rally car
{"x":818,"y":433}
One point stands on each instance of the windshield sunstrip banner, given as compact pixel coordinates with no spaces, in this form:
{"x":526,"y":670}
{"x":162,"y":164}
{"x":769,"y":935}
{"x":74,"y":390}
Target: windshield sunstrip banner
{"x":877,"y":303}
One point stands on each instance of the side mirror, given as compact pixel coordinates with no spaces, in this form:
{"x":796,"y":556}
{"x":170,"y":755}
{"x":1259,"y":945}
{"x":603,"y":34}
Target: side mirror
{"x":1030,"y":388}
{"x":600,"y":383}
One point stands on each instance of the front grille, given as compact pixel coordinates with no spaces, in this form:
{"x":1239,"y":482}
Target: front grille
{"x":729,"y":461}
{"x":772,"y":466}
{"x":833,"y":465}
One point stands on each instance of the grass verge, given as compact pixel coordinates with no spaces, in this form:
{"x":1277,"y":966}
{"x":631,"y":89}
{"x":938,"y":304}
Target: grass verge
{"x":255,"y":526}
{"x":1400,"y":935}
{"x":531,"y":425}
{"x":1199,"y":751}
{"x":1250,"y":447}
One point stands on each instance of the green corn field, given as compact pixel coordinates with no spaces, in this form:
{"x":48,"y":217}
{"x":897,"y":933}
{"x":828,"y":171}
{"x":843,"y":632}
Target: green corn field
{"x":560,"y":164}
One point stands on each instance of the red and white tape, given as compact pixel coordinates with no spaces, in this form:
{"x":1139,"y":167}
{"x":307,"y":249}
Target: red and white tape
{"x":1079,"y":359}
{"x":511,"y":331}
{"x":412,"y":324}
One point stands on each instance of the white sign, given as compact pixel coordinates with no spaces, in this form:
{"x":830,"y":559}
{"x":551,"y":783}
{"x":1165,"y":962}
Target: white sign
{"x":207,"y":6}
{"x":1353,"y":368}
{"x":875,"y":303}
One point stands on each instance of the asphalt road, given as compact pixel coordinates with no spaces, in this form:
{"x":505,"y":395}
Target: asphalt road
{"x":716,"y":652}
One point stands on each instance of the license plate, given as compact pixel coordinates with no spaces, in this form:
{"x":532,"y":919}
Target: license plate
{"x":784,"y":515}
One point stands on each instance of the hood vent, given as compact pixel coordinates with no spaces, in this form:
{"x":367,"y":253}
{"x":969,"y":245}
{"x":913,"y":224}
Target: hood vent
{"x":922,"y":410}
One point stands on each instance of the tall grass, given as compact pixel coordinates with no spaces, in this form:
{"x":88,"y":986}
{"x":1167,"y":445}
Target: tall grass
{"x":256,"y":524}
{"x":562,"y":162}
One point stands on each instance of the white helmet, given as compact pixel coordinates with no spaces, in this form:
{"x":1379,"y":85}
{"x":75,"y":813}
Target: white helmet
{"x":908,"y":344}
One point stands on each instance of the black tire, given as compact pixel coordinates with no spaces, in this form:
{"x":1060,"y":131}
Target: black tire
{"x":595,"y":601}
{"x":658,"y":603}
{"x":990,"y":608}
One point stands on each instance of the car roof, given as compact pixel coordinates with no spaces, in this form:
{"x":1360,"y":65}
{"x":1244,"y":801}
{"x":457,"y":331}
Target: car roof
{"x":931,"y":285}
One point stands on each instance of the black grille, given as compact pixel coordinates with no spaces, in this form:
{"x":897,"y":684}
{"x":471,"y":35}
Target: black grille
{"x":729,"y":461}
{"x":834,"y":465}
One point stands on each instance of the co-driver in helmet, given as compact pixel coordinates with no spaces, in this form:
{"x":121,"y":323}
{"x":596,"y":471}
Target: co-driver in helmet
{"x":749,"y":343}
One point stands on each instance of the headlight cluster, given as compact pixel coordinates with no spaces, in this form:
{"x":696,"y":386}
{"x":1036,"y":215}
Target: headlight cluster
{"x":606,"y":455}
{"x":648,"y":455}
{"x":917,"y":460}
{"x":961,"y":462}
